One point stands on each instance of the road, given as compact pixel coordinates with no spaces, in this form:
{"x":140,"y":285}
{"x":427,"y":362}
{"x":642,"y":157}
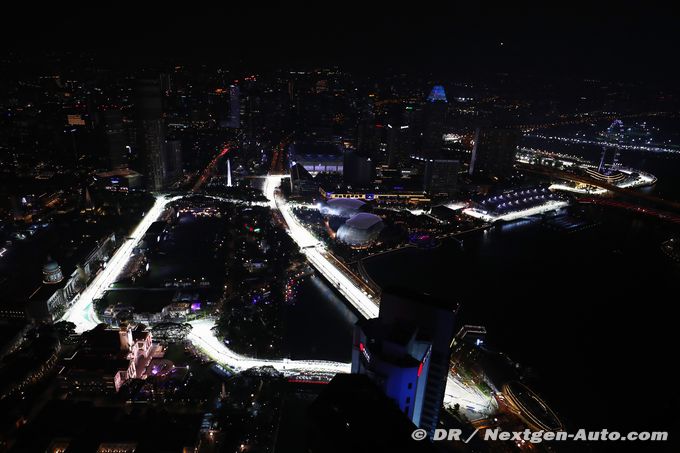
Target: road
{"x":316,"y":253}
{"x":83,"y":315}
{"x":474,"y":403}
{"x":203,"y":338}
{"x":82,"y":312}
{"x":210,"y":169}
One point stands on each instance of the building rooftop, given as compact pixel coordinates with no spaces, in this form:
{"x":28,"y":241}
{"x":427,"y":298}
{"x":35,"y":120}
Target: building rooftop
{"x":352,"y":414}
{"x":344,"y":207}
{"x":119,"y":173}
{"x":81,"y":426}
{"x":94,"y":363}
{"x":363,"y":220}
{"x":437,"y":94}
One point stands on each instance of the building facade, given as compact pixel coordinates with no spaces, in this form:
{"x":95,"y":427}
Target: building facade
{"x":406,"y":351}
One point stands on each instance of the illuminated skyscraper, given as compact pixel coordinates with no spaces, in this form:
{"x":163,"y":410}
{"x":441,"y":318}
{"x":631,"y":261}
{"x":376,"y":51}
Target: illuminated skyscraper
{"x":434,"y":118}
{"x":406,"y":352}
{"x":437,"y":94}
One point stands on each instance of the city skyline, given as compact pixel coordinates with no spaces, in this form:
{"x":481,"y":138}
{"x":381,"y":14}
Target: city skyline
{"x":368,"y":229}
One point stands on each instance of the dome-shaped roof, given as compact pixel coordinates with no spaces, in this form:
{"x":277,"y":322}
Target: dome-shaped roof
{"x":361,"y":230}
{"x":52,"y":272}
{"x":342,"y":207}
{"x":363,"y":221}
{"x":50,"y":265}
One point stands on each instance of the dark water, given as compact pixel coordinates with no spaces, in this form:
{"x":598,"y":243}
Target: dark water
{"x":188,"y":251}
{"x":590,"y":311}
{"x":319,"y":325}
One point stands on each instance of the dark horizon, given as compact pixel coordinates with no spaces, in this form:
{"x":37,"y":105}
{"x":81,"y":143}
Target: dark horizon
{"x":621,"y":43}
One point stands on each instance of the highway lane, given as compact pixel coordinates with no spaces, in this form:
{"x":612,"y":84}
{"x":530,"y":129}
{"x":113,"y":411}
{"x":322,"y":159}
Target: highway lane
{"x":82,"y":312}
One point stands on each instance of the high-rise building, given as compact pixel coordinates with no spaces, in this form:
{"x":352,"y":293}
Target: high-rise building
{"x":301,"y":181}
{"x":352,"y":414}
{"x":151,"y":132}
{"x":434,"y":117}
{"x":234,"y":107}
{"x":115,"y":134}
{"x":368,"y":139}
{"x":440,"y":176}
{"x":397,"y":145}
{"x":406,"y":351}
{"x":493,"y":154}
{"x":401,"y":135}
{"x":173,"y":160}
{"x":357,"y":170}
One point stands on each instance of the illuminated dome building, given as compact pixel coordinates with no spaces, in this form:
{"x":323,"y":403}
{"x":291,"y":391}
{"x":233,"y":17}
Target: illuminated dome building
{"x":52,"y":272}
{"x":342,"y":207}
{"x":361,"y":230}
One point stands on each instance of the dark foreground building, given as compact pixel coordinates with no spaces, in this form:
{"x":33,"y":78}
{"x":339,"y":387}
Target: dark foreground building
{"x":353,"y":415}
{"x":68,"y":426}
{"x":493,"y":154}
{"x":406,"y":352}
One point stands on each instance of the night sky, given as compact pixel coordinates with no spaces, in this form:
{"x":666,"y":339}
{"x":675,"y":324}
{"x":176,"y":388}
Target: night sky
{"x":620,"y":41}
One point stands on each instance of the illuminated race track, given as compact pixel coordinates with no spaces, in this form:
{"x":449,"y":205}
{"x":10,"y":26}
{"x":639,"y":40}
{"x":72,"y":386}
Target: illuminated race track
{"x":316,"y":254}
{"x":83,"y":315}
{"x":203,"y":338}
{"x":552,"y":205}
{"x":473,"y":402}
{"x":82,"y":312}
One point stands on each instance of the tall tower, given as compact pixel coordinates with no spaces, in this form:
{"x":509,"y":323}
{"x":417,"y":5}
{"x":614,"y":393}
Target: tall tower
{"x":406,"y":352}
{"x":234,"y":107}
{"x":228,"y":172}
{"x":151,"y":132}
{"x":114,"y":131}
{"x":173,"y":160}
{"x":397,"y":149}
{"x":494,"y":152}
{"x":435,"y":118}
